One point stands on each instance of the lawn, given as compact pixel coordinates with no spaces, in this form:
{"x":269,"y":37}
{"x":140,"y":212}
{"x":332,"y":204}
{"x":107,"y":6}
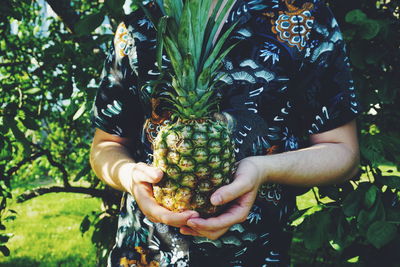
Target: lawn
{"x":46,"y":232}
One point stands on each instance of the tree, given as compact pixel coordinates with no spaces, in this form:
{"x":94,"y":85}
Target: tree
{"x":49,"y":70}
{"x":49,"y":67}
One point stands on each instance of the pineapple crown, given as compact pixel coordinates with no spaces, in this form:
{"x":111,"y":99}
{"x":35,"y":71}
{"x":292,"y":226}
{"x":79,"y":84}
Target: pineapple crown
{"x":187,"y":30}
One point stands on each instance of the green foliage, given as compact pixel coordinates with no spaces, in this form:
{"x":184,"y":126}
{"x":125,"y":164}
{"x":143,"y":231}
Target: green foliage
{"x":361,"y":219}
{"x":49,"y":71}
{"x":89,"y":23}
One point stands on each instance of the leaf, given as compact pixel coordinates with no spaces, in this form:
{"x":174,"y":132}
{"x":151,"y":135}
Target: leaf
{"x":10,"y":218}
{"x":218,"y":46}
{"x":5,"y":237}
{"x":188,"y":72}
{"x":357,"y":57}
{"x":390,"y":181}
{"x":355,"y":16}
{"x":116,"y":6}
{"x":79,"y":112}
{"x":392,"y":215}
{"x":305,"y":213}
{"x":370,"y":196}
{"x":349,"y":34}
{"x":315,"y":228}
{"x":3,"y":202}
{"x":370,"y":29}
{"x":298,"y":214}
{"x":185,"y":33}
{"x":82,"y":173}
{"x":18,"y":134}
{"x":30,"y":123}
{"x":375,"y":55}
{"x":366,"y":217}
{"x":32,"y":91}
{"x":343,"y":236}
{"x":89,"y":23}
{"x":381,"y":233}
{"x":5,"y":250}
{"x":329,"y":191}
{"x":174,"y":55}
{"x":218,"y":20}
{"x":352,"y":203}
{"x":173,"y":8}
{"x":85,"y":224}
{"x":160,"y":42}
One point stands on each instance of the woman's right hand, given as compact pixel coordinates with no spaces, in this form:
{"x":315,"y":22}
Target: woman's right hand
{"x":139,"y":183}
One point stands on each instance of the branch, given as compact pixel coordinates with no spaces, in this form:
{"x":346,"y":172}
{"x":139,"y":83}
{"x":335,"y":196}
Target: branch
{"x":58,"y":166}
{"x":12,"y":170}
{"x":10,"y":64}
{"x":51,"y":160}
{"x":64,"y":10}
{"x":104,"y":194}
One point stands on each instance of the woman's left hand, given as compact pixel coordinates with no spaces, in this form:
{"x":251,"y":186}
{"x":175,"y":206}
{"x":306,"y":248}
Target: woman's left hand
{"x":242,"y":193}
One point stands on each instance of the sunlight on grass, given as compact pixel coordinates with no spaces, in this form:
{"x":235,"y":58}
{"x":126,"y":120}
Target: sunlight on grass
{"x":46,"y":232}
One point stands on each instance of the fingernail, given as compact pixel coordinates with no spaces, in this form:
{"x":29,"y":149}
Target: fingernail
{"x":194,"y":214}
{"x":216,"y":200}
{"x":158,"y":173}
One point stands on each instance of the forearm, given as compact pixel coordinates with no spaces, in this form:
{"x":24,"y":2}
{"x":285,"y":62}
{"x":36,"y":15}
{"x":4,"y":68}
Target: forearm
{"x":112,"y":163}
{"x":321,"y":164}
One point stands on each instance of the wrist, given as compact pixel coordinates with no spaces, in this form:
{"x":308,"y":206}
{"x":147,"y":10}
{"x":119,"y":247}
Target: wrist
{"x":125,"y":176}
{"x":260,"y":164}
{"x":250,"y":167}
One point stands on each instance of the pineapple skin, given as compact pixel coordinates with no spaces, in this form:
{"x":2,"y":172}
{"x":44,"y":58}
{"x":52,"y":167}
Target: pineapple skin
{"x":197,"y":157}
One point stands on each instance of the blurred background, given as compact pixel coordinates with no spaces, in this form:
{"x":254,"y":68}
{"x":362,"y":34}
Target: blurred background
{"x":55,"y":212}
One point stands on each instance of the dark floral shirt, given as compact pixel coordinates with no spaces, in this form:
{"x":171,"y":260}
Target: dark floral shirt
{"x":287,"y":78}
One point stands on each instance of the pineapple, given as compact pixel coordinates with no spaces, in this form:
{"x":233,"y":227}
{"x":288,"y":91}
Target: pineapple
{"x":196,"y":151}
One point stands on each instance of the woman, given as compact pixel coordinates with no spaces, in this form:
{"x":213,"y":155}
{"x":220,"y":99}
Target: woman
{"x":292,"y":103}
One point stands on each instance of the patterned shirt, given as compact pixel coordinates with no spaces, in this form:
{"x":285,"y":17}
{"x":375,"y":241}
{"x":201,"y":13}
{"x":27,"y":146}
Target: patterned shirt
{"x":287,"y":78}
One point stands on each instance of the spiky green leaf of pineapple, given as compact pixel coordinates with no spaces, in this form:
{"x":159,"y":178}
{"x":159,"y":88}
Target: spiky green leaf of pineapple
{"x":196,"y":152}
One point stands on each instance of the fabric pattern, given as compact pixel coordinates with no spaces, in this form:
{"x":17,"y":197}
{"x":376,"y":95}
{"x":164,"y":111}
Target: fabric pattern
{"x":288,"y":77}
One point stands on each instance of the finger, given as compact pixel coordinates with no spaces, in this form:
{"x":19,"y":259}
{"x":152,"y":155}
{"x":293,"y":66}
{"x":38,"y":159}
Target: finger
{"x":235,"y":214}
{"x":187,"y":231}
{"x":157,"y":213}
{"x":212,"y":234}
{"x":227,"y":193}
{"x":147,"y":174}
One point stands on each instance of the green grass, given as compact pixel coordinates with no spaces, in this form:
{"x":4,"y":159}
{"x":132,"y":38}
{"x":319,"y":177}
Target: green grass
{"x":46,"y":232}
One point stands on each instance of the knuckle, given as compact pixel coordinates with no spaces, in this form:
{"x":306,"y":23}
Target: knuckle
{"x":226,"y":196}
{"x":212,"y":237}
{"x":242,"y":218}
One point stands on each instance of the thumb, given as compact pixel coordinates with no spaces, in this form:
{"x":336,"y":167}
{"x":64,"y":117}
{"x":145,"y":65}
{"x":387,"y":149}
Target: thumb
{"x":147,"y":174}
{"x":234,"y":190}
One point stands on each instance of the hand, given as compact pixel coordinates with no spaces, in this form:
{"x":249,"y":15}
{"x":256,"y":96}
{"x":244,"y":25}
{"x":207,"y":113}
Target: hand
{"x":242,"y":192}
{"x":140,"y":185}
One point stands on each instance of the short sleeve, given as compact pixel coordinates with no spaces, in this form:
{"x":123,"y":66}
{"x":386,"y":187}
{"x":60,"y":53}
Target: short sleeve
{"x":117,"y":109}
{"x":326,"y":92}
